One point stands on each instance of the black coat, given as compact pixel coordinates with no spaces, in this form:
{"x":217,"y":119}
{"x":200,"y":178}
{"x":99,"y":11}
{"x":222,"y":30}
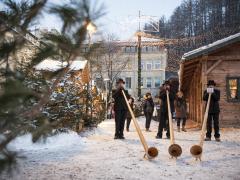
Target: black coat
{"x":148,"y":102}
{"x":119,"y":101}
{"x":163,"y":97}
{"x":214,"y":103}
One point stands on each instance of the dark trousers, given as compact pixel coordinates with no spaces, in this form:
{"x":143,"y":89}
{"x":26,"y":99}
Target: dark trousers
{"x":128,"y":122}
{"x":120,"y":116}
{"x":148,"y":116}
{"x":215,"y":118}
{"x":183,"y":121}
{"x":163,"y":123}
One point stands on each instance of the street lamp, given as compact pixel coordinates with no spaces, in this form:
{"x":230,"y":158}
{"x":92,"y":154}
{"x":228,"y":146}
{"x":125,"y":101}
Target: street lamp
{"x":106,"y":81}
{"x":91,"y":29}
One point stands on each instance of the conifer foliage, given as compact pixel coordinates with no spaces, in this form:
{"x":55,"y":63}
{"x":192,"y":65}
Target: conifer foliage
{"x":27,"y":100}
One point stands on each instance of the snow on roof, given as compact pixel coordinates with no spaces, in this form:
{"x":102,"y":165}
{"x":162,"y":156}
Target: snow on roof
{"x":78,"y":65}
{"x":211,"y":47}
{"x":55,"y":65}
{"x":143,"y":39}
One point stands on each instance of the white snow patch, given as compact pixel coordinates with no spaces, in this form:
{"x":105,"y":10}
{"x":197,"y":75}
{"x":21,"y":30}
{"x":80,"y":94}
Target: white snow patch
{"x":55,"y":65}
{"x":57,"y":142}
{"x":99,"y":156}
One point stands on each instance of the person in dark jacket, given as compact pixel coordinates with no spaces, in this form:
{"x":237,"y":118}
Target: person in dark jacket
{"x":129,"y":117}
{"x":181,"y":110}
{"x":164,"y":109}
{"x":120,"y":109}
{"x":148,"y":108}
{"x":214,"y":110}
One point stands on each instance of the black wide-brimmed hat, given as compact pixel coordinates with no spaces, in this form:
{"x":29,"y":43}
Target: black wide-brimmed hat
{"x":211,"y":82}
{"x":166,"y":82}
{"x":120,"y":80}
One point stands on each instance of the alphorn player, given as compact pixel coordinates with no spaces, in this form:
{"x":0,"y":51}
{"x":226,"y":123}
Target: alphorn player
{"x":120,"y":108}
{"x":213,"y":113}
{"x":164,"y":109}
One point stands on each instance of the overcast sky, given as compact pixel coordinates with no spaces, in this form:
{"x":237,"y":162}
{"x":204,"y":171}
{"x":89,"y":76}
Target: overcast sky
{"x":122,"y":15}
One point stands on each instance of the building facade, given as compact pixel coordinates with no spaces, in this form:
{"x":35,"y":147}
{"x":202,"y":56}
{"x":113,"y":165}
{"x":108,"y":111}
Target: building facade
{"x":153,"y":64}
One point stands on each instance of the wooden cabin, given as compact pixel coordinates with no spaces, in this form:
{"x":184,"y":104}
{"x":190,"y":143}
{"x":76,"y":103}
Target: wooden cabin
{"x":219,"y":61}
{"x":78,"y":69}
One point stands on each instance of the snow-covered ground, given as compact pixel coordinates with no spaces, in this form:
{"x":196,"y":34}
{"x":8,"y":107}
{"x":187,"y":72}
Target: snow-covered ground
{"x":96,"y":155}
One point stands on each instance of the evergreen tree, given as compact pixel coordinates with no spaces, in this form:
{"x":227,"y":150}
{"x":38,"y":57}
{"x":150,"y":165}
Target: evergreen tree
{"x":24,"y":96}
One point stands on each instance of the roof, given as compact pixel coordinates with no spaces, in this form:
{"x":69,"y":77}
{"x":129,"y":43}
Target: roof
{"x":205,"y":50}
{"x":55,"y":65}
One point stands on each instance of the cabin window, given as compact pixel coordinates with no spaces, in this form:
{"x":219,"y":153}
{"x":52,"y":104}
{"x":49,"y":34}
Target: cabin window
{"x":233,"y":89}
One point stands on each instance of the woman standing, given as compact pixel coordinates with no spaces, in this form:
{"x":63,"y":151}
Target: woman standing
{"x":181,"y":110}
{"x":129,"y":117}
{"x":148,"y":108}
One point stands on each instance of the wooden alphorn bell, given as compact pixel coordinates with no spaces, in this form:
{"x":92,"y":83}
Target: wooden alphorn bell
{"x":196,"y":150}
{"x":174,"y":149}
{"x":150,"y":152}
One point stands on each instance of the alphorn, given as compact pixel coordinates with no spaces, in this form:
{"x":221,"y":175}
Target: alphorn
{"x":150,"y":152}
{"x":196,"y":150}
{"x":174,"y":149}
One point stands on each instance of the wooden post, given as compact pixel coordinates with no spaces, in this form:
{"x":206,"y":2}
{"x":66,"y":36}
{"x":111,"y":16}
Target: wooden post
{"x":198,"y":94}
{"x":204,"y":80}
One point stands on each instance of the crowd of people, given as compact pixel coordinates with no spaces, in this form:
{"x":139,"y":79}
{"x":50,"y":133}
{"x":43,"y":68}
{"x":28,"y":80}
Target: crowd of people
{"x":177,"y":104}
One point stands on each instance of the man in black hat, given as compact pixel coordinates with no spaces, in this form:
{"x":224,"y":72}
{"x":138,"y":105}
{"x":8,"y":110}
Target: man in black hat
{"x":120,"y":108}
{"x":163,"y":123}
{"x":213,"y":113}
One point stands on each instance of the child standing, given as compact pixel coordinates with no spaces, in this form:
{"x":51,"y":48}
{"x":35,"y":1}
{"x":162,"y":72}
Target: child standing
{"x":181,"y":110}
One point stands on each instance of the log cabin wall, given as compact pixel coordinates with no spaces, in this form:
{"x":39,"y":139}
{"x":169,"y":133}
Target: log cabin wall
{"x":228,"y":67}
{"x":219,"y":62}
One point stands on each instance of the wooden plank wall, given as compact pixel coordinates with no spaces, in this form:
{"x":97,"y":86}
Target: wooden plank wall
{"x":195,"y":95}
{"x":230,"y":111}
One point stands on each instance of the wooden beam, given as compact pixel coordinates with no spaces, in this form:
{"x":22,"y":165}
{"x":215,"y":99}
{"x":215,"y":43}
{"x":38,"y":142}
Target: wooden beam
{"x":213,"y":66}
{"x":190,"y":66}
{"x":187,"y":74}
{"x":204,"y":84}
{"x":225,"y":57}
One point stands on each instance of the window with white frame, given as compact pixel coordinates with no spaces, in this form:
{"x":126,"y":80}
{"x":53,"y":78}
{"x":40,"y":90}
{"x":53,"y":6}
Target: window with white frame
{"x":142,"y":82}
{"x":157,"y":82}
{"x":149,"y":82}
{"x":157,"y":64}
{"x":128,"y":82}
{"x":142,"y":66}
{"x":149,"y":66}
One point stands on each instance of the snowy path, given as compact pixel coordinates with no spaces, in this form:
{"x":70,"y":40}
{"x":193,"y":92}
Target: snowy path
{"x":98,"y":156}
